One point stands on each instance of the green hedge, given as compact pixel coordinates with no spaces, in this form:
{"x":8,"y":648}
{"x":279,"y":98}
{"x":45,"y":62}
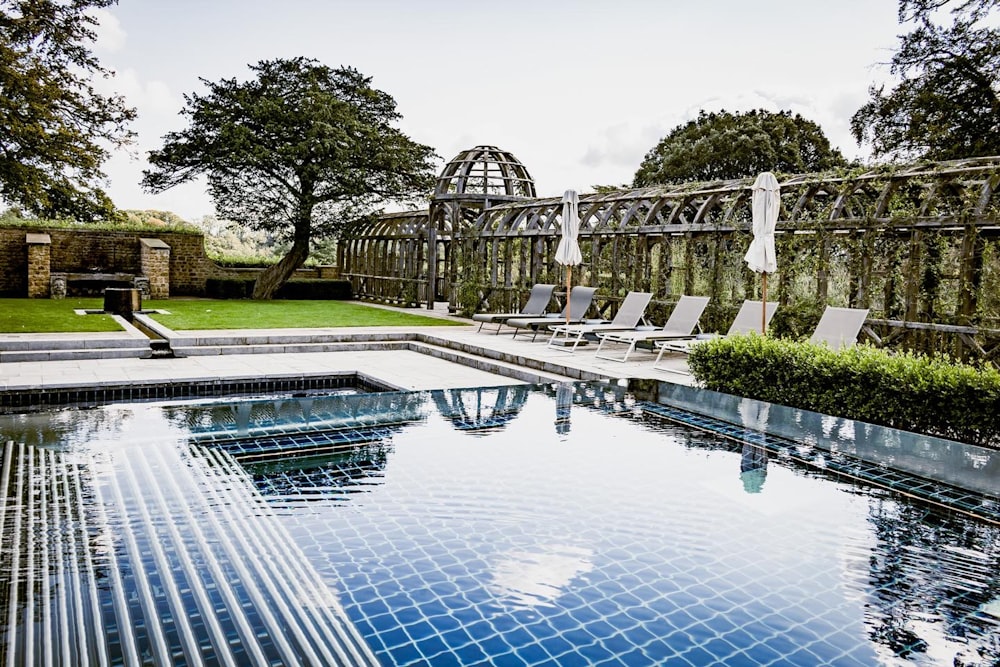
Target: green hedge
{"x":929,"y":395}
{"x":319,"y":290}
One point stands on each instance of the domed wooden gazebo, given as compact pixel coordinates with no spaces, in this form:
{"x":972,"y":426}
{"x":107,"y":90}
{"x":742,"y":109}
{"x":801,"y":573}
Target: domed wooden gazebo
{"x":919,"y":245}
{"x":399,"y":256}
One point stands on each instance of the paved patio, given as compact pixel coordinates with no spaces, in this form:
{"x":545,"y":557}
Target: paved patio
{"x":407,"y":358}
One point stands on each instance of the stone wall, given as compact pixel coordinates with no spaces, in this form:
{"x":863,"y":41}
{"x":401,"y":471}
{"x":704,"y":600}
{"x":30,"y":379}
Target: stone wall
{"x":39,"y":262}
{"x":98,"y":251}
{"x":13,"y":262}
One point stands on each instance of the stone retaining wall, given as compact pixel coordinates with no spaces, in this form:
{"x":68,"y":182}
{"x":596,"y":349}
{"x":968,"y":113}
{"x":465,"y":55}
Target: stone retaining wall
{"x":174,"y":262}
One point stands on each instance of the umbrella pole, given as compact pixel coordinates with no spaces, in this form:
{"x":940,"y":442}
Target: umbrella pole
{"x":569,"y":274}
{"x":763,"y":302}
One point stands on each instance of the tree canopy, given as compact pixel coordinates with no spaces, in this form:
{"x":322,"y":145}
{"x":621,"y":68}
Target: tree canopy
{"x":55,"y":128}
{"x":945,"y":105}
{"x":298,"y":151}
{"x":728,"y":145}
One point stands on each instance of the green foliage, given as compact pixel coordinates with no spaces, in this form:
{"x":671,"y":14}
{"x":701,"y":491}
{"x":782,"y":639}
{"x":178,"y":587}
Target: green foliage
{"x":229,"y":288}
{"x":242,"y":261}
{"x":242,"y":288}
{"x":316,"y":289}
{"x":724,"y":145}
{"x":924,"y":394}
{"x":55,"y":128}
{"x":945,"y":105}
{"x":121,"y":223}
{"x":152,"y":218}
{"x":295,"y":152}
{"x":796,"y":320}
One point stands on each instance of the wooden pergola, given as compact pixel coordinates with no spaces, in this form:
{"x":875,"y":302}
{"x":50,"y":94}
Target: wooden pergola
{"x":919,"y":245}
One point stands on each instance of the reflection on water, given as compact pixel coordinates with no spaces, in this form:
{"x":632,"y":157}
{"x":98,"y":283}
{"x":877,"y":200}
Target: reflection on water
{"x":480,"y":409}
{"x":525,"y":579}
{"x":619,"y":540}
{"x":564,"y":406}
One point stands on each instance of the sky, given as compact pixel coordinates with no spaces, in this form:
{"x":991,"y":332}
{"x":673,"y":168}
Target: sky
{"x":578,"y":90}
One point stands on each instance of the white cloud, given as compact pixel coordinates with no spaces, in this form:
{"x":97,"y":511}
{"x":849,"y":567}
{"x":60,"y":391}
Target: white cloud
{"x":622,"y":145}
{"x":110,"y":34}
{"x":576,"y":114}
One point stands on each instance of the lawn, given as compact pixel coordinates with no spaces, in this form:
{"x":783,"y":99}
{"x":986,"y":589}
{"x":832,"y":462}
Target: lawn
{"x":240,"y":314}
{"x":56,"y":315}
{"x":53,"y":315}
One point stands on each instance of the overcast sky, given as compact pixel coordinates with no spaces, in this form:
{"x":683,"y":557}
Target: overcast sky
{"x":578,"y":90}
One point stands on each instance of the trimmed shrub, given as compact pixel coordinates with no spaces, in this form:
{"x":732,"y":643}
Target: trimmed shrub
{"x":318,"y":289}
{"x":229,"y":288}
{"x":242,"y":288}
{"x":930,"y":395}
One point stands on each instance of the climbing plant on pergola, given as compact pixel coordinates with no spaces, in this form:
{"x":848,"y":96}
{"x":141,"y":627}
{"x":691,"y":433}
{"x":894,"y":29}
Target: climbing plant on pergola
{"x":919,"y":245}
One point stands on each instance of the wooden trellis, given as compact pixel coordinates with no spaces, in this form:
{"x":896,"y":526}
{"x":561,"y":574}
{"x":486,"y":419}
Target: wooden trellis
{"x":918,"y":244}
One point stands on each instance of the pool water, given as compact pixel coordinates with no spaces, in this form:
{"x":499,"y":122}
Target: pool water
{"x":530,"y":525}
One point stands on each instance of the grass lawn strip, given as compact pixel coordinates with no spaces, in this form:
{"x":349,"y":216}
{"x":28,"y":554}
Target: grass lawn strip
{"x":243,"y":314}
{"x":53,"y":316}
{"x":59,"y":316}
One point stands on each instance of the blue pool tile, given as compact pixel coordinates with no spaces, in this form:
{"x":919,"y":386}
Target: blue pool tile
{"x":431,"y":646}
{"x":471,"y":654}
{"x":531,"y":653}
{"x":406,"y":654}
{"x":556,"y":646}
{"x":519,"y":637}
{"x":457,"y":638}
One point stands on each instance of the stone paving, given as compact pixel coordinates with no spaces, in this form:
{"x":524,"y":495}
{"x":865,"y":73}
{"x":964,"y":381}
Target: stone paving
{"x":407,"y":358}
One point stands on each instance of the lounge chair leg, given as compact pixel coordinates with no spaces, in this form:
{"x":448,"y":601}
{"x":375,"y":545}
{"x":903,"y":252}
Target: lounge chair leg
{"x":552,"y":339}
{"x":660,"y":356}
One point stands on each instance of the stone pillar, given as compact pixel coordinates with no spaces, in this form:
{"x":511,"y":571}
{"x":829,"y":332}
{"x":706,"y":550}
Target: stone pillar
{"x":39,"y":267}
{"x":155,"y":258}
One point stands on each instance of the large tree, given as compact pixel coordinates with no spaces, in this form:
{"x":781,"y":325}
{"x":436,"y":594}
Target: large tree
{"x":945,"y":104}
{"x":728,"y":145}
{"x":55,"y":128}
{"x":298,"y":151}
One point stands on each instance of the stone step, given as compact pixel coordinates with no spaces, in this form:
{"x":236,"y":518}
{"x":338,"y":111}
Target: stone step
{"x":72,"y":342}
{"x":182,"y":350}
{"x":133,"y":352}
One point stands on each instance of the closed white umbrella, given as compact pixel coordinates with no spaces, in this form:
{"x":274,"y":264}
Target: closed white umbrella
{"x":753,"y":458}
{"x":568,"y":253}
{"x":764,"y":203}
{"x":564,"y":405}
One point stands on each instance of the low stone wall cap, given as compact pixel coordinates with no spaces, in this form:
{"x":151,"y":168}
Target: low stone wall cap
{"x":37,"y":239}
{"x":154,"y":243}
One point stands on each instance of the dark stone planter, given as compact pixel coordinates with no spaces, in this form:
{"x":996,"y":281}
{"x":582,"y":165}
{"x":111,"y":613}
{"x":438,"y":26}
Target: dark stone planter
{"x":124,"y":302}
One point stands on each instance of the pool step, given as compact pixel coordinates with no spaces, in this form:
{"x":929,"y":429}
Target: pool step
{"x":132,"y":352}
{"x":160,"y":554}
{"x":525,"y":369}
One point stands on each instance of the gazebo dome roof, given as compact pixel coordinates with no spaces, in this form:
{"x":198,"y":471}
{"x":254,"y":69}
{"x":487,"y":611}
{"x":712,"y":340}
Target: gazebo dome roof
{"x":485,"y":172}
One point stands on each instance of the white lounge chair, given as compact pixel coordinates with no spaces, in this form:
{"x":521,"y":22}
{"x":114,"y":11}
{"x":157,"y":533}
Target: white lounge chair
{"x":839,"y":327}
{"x":747,"y":319}
{"x":568,"y":337}
{"x":681,"y":324}
{"x":538,"y":302}
{"x":580,"y":298}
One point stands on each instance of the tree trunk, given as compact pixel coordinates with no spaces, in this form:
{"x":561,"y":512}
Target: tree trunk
{"x":275,"y":276}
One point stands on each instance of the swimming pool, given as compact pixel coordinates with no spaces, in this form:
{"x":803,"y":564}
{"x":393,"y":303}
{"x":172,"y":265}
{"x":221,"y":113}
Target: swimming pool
{"x":592,"y":523}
